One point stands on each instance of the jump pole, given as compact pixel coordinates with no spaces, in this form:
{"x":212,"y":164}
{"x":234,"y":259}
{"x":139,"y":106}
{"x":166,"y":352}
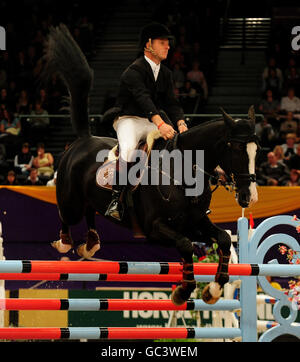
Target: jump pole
{"x":113,"y":304}
{"x":106,"y":333}
{"x":156,"y":268}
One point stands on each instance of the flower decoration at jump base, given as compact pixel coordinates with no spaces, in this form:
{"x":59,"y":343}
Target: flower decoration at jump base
{"x":293,"y":258}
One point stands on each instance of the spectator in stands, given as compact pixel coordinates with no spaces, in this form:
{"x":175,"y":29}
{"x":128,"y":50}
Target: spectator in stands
{"x":294,"y":179}
{"x":291,"y":65}
{"x":290,"y":125}
{"x":273,"y":82}
{"x":52,"y":182}
{"x":21,"y":70}
{"x":4,"y":98}
{"x":43,"y":162}
{"x":10,"y":179}
{"x":9,"y":126}
{"x":178,"y":76}
{"x":265,"y":133}
{"x":23,"y":160}
{"x":23,"y":105}
{"x":12,"y":94}
{"x":278,"y":152}
{"x":272,"y":65}
{"x":196,"y":76}
{"x":188,"y":96}
{"x":272,"y":172}
{"x":41,"y":122}
{"x":290,"y":103}
{"x":38,"y":125}
{"x":294,"y":161}
{"x":33,"y":179}
{"x":269,"y":106}
{"x":290,"y":147}
{"x":43,"y":98}
{"x":177,"y":57}
{"x":293,"y":80}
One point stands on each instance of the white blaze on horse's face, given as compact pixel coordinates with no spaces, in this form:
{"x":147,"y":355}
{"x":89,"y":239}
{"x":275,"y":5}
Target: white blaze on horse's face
{"x":251,"y":151}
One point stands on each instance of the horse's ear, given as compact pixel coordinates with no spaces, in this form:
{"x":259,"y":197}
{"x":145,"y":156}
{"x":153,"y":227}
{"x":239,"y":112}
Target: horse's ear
{"x":251,"y":114}
{"x":227,"y":118}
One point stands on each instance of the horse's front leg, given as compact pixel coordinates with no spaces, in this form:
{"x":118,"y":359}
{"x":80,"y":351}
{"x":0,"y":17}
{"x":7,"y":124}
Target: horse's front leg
{"x":184,"y":246}
{"x":213,"y":291}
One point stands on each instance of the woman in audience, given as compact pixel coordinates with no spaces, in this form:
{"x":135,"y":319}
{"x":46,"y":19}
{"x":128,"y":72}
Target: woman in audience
{"x":43,"y":162}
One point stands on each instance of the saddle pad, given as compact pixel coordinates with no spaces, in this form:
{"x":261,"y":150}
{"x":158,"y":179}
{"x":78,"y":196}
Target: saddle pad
{"x":105,"y":174}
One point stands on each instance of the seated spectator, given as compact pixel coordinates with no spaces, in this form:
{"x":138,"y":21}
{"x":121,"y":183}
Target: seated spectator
{"x":178,"y":76}
{"x":269,"y":106}
{"x":188,"y":96}
{"x":273,"y":82}
{"x":294,"y":161}
{"x":43,"y":162}
{"x":4,"y":98}
{"x":291,"y":65}
{"x":10,"y":179}
{"x":272,"y":172}
{"x":8,"y":125}
{"x":272,"y":65}
{"x":177,"y":57}
{"x":43,"y":98}
{"x":33,"y":179}
{"x":52,"y":182}
{"x":293,"y":80}
{"x":294,"y":179}
{"x":290,"y":147}
{"x":290,"y":103}
{"x":290,"y":125}
{"x":278,"y":152}
{"x":23,"y":105}
{"x":23,"y":160}
{"x":265,"y":133}
{"x":198,"y":80}
{"x":39,"y":122}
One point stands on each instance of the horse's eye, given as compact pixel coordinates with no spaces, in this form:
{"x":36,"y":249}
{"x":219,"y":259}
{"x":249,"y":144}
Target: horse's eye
{"x":237,"y":146}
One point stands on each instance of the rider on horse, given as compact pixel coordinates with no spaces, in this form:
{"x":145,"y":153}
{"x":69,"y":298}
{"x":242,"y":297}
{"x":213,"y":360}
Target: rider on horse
{"x":146,"y":88}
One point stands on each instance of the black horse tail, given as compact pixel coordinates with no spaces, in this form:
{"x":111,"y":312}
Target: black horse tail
{"x":64,"y":57}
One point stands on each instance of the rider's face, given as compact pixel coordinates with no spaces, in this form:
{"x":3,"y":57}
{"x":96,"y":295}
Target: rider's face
{"x":161,"y":48}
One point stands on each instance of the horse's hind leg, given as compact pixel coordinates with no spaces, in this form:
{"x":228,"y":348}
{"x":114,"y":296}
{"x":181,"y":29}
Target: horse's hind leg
{"x":92,"y":245}
{"x":184,"y":246}
{"x":65,"y":243}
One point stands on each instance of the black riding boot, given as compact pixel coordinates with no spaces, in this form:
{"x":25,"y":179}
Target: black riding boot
{"x":116,"y":208}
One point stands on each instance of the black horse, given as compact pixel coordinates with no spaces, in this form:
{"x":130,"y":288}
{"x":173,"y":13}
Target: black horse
{"x":165,"y":213}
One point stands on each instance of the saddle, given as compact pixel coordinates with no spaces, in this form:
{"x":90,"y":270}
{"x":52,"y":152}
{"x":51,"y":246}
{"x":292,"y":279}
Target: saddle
{"x":105,"y":173}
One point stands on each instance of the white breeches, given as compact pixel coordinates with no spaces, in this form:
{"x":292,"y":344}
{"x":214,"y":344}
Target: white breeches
{"x":130,"y":131}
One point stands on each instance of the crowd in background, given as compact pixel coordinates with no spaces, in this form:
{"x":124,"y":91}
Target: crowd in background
{"x":24,"y":158}
{"x":23,"y":89}
{"x":279,"y":130}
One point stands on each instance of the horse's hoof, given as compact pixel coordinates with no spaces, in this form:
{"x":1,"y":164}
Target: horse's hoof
{"x":212,"y":293}
{"x":61,"y":247}
{"x":177,"y":296}
{"x":84,"y":253}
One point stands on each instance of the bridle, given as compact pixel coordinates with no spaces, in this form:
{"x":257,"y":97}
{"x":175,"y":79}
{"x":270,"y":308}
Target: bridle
{"x":242,"y":139}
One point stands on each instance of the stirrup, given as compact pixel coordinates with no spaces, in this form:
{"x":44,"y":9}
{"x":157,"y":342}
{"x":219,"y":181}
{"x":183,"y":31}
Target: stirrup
{"x":115,"y":209}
